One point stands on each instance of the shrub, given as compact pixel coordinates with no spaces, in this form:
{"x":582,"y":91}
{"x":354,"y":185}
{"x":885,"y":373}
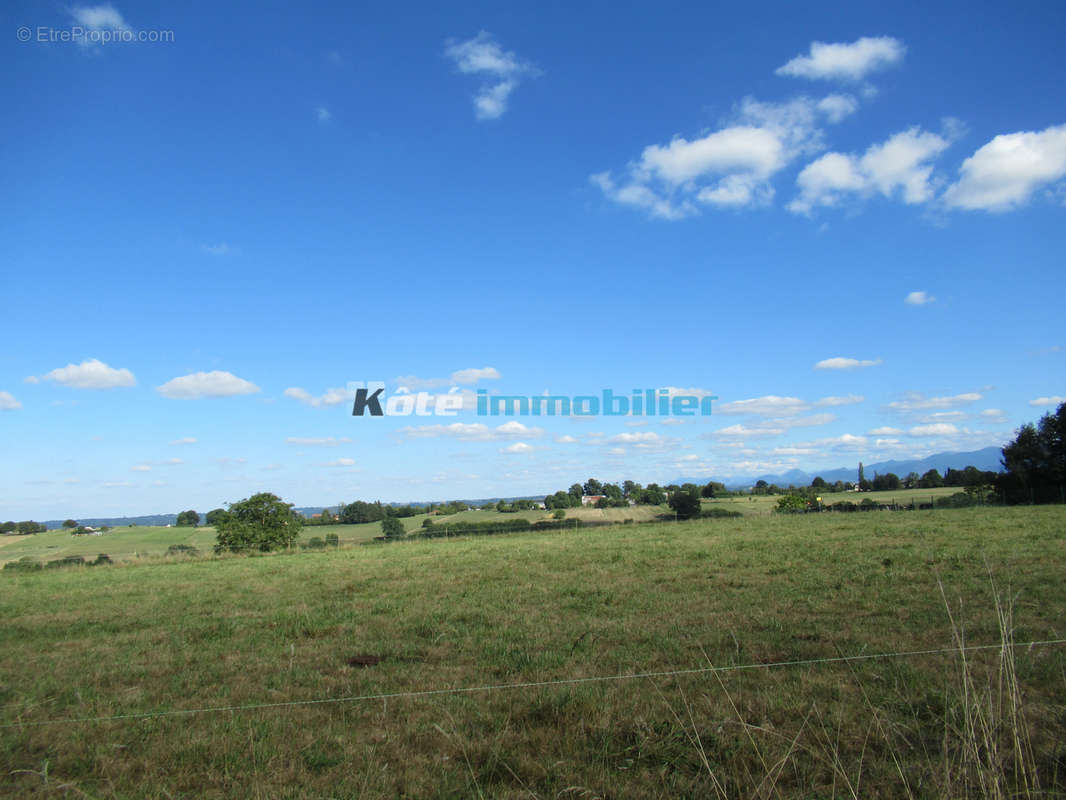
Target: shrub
{"x":315,"y":543}
{"x":717,"y":512}
{"x":182,"y":550}
{"x":333,"y":540}
{"x":791,"y":504}
{"x":559,"y":513}
{"x":24,"y":564}
{"x":101,"y":559}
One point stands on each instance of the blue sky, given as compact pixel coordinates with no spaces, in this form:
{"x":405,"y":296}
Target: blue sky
{"x":846,"y":222}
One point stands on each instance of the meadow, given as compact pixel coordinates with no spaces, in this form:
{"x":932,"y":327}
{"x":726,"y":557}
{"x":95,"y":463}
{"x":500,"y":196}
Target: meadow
{"x":265,"y":638}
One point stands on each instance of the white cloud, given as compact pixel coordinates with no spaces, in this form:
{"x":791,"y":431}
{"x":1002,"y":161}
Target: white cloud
{"x":746,"y":431}
{"x":31,"y":379}
{"x":206,"y":384}
{"x":482,"y":55}
{"x":332,"y":397}
{"x":1003,"y":174}
{"x":990,"y":415}
{"x":91,"y":374}
{"x":674,"y":391}
{"x":184,"y":440}
{"x":141,"y":468}
{"x":899,"y":165}
{"x":518,"y":447}
{"x":463,"y":376}
{"x":846,"y":363}
{"x":644,"y":437}
{"x":730,"y":167}
{"x":832,"y":402}
{"x":473,"y":375}
{"x":915,"y":401}
{"x":341,"y":462}
{"x":886,"y":431}
{"x":328,"y":441}
{"x":770,"y":404}
{"x":8,"y":402}
{"x":851,"y":62}
{"x":918,"y":299}
{"x":474,"y":431}
{"x":97,"y":19}
{"x":936,"y":429}
{"x":1054,"y":400}
{"x":793,"y":451}
{"x":323,"y":114}
{"x":565,"y":439}
{"x":838,"y":106}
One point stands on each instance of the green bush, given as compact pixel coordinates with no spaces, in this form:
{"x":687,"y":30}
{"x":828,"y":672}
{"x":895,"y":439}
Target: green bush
{"x":791,"y":504}
{"x":182,"y":550}
{"x":24,"y":564}
{"x":315,"y":543}
{"x":333,"y":540}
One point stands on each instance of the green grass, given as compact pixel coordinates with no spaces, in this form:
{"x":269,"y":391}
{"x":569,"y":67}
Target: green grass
{"x":533,"y":607}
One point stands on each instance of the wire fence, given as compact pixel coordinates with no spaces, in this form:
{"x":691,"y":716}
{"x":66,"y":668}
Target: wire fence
{"x":386,"y":696}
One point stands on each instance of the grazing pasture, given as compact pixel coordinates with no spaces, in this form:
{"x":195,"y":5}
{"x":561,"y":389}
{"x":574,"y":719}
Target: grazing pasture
{"x":261,"y":639}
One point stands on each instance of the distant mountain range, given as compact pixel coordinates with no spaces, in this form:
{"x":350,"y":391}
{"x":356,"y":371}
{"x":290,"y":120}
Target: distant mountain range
{"x":987,"y":459}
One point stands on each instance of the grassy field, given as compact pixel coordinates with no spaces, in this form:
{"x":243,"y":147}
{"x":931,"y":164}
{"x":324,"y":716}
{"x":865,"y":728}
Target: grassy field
{"x":124,"y":544}
{"x":177,"y":635}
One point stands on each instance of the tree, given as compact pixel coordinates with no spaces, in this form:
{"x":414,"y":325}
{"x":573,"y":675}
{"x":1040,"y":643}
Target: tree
{"x":7,"y":527}
{"x":70,"y":523}
{"x":653,"y":495}
{"x":592,"y":486}
{"x":911,"y":481}
{"x":559,"y":513}
{"x":1035,"y":462}
{"x":188,"y":519}
{"x":862,"y":475}
{"x":889,"y":482}
{"x":213,"y":516}
{"x":261,"y":522}
{"x":685,"y":504}
{"x":392,"y":528}
{"x":931,"y":480}
{"x":819,"y":483}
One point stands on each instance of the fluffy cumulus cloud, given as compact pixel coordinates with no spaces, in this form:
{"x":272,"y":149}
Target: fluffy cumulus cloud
{"x":918,"y":299}
{"x":517,"y":448}
{"x":900,"y":166}
{"x":846,"y":363}
{"x":91,"y":374}
{"x":99,"y":19}
{"x":727,"y":168}
{"x":8,"y":402}
{"x":1054,"y":400}
{"x":503,"y":71}
{"x":1004,"y":173}
{"x":847,"y":62}
{"x":332,"y":397}
{"x":206,"y":384}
